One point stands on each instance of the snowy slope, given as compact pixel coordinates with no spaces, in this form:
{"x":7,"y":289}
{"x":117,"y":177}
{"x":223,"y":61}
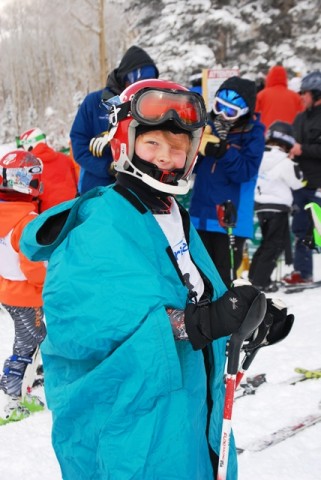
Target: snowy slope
{"x":26,"y":451}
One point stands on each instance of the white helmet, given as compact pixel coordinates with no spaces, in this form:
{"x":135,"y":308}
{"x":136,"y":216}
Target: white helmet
{"x":29,"y":139}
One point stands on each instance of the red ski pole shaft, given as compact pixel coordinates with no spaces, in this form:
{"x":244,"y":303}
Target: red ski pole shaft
{"x":252,"y":320}
{"x":226,"y":427}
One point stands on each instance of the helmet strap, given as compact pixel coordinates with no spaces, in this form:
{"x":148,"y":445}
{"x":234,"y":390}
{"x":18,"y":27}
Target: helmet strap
{"x":4,"y":177}
{"x":156,"y":201}
{"x":164,"y":176}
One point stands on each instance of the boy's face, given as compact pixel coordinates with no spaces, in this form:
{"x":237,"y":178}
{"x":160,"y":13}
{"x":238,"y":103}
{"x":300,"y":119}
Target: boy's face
{"x":307,"y":99}
{"x":166,"y":150}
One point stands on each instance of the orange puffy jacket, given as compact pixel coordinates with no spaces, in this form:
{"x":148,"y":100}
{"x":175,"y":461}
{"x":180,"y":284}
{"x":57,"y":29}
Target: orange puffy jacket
{"x":21,"y":280}
{"x":276,"y":101}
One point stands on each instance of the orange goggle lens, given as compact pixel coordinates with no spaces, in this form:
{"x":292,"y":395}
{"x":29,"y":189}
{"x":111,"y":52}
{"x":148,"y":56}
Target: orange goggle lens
{"x":153,"y":107}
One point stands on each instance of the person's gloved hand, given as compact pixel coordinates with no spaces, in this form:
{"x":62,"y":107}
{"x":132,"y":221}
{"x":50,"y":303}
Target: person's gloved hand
{"x":212,"y":320}
{"x":99,"y":144}
{"x":276,"y":325}
{"x":209,"y":141}
{"x":211,"y":145}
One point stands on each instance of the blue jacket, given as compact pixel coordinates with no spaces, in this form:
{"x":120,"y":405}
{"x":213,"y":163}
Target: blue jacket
{"x":227,"y":178}
{"x":128,"y":401}
{"x":91,"y":119}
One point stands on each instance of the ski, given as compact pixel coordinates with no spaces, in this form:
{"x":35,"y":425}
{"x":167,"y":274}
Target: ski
{"x":282,"y":434}
{"x":300,"y":288}
{"x":254,"y":382}
{"x":308,"y":373}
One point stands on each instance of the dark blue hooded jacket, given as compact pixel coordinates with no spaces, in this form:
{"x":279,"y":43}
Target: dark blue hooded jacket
{"x":233,"y":176}
{"x":92,"y":119}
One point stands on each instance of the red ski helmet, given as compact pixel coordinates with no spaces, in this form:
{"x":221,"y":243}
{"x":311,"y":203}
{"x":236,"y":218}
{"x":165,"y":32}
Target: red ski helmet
{"x":155,"y":103}
{"x":21,"y":171}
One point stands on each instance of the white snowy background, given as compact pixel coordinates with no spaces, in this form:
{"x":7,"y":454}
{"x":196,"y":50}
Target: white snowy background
{"x":26,"y":452}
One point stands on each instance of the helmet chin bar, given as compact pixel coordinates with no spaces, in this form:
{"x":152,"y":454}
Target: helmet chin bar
{"x":125,"y":165}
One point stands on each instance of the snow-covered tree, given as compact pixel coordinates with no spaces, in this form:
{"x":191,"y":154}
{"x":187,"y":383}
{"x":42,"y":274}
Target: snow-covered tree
{"x":49,"y":51}
{"x":8,"y":130}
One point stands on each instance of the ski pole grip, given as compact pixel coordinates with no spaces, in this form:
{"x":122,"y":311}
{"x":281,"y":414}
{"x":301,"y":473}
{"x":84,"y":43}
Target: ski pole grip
{"x":249,"y":359}
{"x":253,"y":318}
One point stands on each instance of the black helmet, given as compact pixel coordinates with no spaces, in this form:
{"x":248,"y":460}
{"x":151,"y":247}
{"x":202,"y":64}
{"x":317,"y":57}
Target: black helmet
{"x":280,"y":133}
{"x":312,"y":83}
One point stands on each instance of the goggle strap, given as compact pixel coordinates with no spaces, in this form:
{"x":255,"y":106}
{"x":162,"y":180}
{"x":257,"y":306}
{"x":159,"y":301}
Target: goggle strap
{"x":4,"y":177}
{"x":118,"y":113}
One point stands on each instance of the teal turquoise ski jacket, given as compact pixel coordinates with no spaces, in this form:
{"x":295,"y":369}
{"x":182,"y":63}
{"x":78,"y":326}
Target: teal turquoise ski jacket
{"x":128,"y":402}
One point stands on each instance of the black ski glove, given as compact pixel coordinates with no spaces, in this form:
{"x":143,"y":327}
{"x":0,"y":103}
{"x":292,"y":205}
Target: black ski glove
{"x":213,"y":145}
{"x":216,"y":150}
{"x":218,"y":147}
{"x":211,"y":320}
{"x":209,"y":142}
{"x":276,"y":325}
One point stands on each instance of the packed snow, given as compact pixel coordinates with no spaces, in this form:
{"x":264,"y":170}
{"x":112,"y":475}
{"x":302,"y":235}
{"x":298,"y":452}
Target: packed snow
{"x":26,"y":451}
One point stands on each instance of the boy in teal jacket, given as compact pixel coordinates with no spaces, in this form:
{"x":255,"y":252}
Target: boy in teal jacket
{"x":125,"y":367}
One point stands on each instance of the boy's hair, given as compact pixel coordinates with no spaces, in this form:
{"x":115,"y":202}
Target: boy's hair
{"x":177,"y":139}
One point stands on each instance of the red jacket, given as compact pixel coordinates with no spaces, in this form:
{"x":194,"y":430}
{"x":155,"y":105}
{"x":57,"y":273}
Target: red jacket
{"x":276,"y":101}
{"x":59,"y":177}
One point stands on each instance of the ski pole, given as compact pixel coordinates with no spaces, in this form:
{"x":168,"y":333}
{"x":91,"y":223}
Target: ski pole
{"x":272,"y":330}
{"x":258,"y":343}
{"x":251,"y":322}
{"x":227,"y":215}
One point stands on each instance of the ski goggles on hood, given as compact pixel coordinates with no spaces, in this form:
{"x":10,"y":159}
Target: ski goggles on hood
{"x":152,"y":107}
{"x":148,"y":71}
{"x":227,"y":110}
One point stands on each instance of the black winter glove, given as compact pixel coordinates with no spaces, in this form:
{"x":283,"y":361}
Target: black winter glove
{"x":276,"y":325}
{"x":211,"y":145}
{"x":216,"y":150}
{"x":209,"y":321}
{"x":208,"y":141}
{"x":219,"y":148}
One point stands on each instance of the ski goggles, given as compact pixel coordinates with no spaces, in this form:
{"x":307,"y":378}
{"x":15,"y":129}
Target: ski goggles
{"x":152,"y":107}
{"x":145,"y":72}
{"x":227,"y":110}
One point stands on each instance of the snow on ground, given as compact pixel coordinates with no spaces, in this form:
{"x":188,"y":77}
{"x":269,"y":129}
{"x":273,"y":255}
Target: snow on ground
{"x":26,"y":451}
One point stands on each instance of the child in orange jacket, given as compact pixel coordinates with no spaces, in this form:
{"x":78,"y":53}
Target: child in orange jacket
{"x":21,"y":281}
